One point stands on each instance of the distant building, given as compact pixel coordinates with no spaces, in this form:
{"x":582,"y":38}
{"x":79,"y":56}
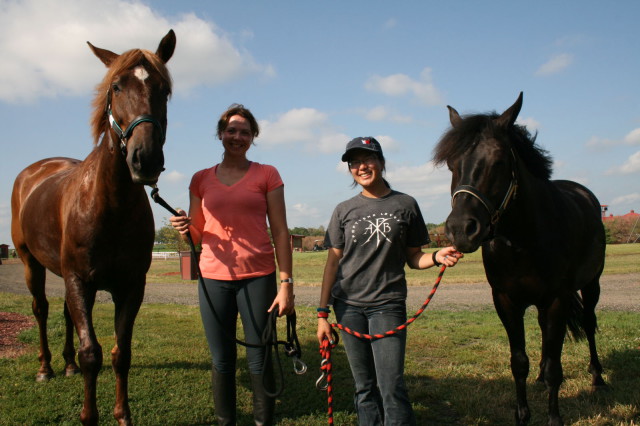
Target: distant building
{"x":632,"y":215}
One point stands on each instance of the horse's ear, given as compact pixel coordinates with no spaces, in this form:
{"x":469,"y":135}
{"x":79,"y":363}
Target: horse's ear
{"x":508,"y":118}
{"x":166,"y":46}
{"x":454,"y":117}
{"x":106,"y":56}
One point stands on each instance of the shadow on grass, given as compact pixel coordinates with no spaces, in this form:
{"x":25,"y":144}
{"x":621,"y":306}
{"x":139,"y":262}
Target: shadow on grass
{"x":465,"y":400}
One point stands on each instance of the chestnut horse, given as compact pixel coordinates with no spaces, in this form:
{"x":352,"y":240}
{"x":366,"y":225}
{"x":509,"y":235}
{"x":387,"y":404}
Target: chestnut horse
{"x":542,"y":240}
{"x":90,"y":221}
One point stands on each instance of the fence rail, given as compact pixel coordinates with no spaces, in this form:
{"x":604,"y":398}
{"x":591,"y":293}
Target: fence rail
{"x":164,"y":255}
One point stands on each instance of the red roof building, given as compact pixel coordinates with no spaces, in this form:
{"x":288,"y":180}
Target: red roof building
{"x":632,"y":215}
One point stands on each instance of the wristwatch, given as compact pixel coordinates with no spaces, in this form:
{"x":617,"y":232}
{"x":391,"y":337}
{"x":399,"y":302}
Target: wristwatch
{"x":288,"y":280}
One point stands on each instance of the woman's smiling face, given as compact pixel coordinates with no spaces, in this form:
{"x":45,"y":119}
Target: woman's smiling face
{"x":366,"y":168}
{"x":237,"y":136}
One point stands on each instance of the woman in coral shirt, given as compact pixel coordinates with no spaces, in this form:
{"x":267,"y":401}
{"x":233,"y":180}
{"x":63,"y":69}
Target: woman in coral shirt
{"x":229,"y":207}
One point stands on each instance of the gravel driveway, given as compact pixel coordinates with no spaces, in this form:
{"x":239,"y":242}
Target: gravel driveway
{"x":619,"y":292}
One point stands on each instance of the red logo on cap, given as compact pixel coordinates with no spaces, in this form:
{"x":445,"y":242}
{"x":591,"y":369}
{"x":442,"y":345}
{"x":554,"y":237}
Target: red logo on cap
{"x":366,"y":141}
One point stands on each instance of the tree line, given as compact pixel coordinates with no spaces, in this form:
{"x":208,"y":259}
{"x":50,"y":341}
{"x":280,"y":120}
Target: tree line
{"x":617,"y":231}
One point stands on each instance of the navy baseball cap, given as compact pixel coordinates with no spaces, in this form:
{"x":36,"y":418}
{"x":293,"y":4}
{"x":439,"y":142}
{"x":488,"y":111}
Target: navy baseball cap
{"x":367,"y":143}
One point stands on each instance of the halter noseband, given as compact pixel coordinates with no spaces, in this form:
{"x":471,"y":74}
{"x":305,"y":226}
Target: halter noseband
{"x":124,"y":134}
{"x":493,"y":212}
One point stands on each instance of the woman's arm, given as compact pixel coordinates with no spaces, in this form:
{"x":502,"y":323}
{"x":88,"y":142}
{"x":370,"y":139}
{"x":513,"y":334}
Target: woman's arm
{"x":328,"y":278}
{"x":277,"y":215}
{"x":417,"y":259}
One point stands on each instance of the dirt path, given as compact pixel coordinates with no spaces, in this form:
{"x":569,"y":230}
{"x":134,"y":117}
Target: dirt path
{"x":619,"y":292}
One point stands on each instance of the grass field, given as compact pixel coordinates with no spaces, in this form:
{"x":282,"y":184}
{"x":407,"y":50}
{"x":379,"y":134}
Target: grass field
{"x":457,"y":370}
{"x":457,"y":365}
{"x":308,"y":267}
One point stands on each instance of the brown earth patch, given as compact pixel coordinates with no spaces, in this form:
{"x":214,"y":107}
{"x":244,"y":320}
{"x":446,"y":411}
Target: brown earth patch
{"x":11,"y":325}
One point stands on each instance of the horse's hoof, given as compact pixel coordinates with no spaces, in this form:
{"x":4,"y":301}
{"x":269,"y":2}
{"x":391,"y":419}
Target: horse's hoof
{"x":72,"y":371}
{"x":555,"y":421}
{"x":600,"y":387}
{"x":43,"y":377}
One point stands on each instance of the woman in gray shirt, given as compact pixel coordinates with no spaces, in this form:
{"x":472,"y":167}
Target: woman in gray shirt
{"x":370,"y":239}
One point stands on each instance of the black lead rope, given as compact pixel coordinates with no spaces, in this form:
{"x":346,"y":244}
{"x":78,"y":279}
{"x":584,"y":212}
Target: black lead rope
{"x":269,"y":336}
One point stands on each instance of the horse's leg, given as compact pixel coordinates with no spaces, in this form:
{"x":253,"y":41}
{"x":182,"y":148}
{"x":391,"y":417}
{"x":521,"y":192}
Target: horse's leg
{"x":69,"y":351}
{"x":35,"y":276}
{"x":542,"y":322}
{"x":553,"y":342}
{"x":80,"y":301}
{"x":590,"y":296}
{"x":512,"y":318}
{"x":127,"y":305}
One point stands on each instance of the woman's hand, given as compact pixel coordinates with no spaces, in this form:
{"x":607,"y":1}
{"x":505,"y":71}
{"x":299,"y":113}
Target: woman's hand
{"x":324,"y":331}
{"x":180,"y":223}
{"x":448,"y":256}
{"x":285,"y":301}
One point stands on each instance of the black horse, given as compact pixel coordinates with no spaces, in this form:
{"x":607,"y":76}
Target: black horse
{"x":542,"y":240}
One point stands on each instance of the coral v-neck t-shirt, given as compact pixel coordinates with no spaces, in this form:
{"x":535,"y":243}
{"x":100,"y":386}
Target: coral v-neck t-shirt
{"x":235,"y":242}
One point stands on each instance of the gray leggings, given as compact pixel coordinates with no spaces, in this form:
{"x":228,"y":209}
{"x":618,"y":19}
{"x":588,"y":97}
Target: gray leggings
{"x":251,"y":298}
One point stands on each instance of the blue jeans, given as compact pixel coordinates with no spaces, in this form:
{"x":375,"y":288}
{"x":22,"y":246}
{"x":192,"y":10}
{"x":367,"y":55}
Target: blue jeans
{"x":381,"y":395}
{"x":250,"y":297}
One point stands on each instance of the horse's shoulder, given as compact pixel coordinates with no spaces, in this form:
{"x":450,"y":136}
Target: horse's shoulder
{"x":577,"y":193}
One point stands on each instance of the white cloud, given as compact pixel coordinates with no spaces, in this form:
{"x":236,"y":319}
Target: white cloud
{"x":172,"y":177}
{"x":556,"y":64}
{"x":596,"y":142}
{"x":401,"y":85}
{"x":390,"y":23}
{"x":633,"y":137}
{"x":424,"y":180}
{"x":302,"y":214}
{"x":632,"y":165}
{"x":306,"y":127}
{"x":633,"y":198}
{"x":530,"y":123}
{"x":381,"y":113}
{"x":47,"y":57}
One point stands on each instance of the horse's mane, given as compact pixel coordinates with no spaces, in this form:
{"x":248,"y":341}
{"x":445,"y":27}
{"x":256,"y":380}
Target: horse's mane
{"x":124,"y":62}
{"x":473,"y":128}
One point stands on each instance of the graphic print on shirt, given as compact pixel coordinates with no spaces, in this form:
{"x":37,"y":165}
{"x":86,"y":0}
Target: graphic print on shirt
{"x":374,"y":227}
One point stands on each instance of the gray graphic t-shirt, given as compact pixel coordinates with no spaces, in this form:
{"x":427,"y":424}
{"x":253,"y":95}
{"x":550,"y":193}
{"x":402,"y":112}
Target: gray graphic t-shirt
{"x":374,"y":234}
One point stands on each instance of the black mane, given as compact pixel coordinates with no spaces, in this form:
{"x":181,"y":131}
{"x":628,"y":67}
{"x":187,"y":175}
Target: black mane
{"x":474,"y":128}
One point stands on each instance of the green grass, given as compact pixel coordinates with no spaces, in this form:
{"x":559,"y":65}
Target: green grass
{"x":457,"y":370}
{"x":309,"y":266}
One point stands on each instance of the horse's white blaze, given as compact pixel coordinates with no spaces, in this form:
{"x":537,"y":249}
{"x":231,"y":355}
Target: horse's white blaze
{"x":141,"y":73}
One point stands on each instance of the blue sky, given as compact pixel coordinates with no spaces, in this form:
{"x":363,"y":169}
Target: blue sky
{"x":317,"y":74}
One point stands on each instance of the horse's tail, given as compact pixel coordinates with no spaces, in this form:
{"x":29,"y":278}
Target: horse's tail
{"x":575,"y":319}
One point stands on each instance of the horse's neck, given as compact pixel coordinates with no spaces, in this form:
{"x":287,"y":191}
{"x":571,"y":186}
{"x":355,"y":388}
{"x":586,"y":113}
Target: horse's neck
{"x":525,"y":216}
{"x":110,"y":171}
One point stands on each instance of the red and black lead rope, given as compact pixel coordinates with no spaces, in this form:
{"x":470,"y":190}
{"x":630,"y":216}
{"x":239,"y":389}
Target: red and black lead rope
{"x":325,"y":380}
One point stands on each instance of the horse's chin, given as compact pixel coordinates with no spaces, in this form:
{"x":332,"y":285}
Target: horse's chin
{"x":466,"y":246}
{"x":144,"y":180}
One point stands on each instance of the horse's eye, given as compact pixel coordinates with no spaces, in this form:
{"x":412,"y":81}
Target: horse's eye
{"x":115,"y":87}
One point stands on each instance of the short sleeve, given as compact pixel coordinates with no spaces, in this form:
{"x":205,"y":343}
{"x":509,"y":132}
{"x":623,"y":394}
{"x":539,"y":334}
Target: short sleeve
{"x":195,"y":186}
{"x":334,"y":237}
{"x":418,"y":235}
{"x":273,"y":178}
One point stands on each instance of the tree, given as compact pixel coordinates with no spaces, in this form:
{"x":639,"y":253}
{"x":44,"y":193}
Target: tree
{"x":171,"y":238}
{"x":299,"y":231}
